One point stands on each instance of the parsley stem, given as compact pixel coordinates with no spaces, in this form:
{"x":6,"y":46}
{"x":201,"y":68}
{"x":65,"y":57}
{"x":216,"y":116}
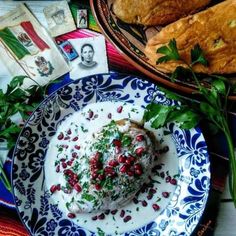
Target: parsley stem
{"x":232,"y":161}
{"x":4,"y":178}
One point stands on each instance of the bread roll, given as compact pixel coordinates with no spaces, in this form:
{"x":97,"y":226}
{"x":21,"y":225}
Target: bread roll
{"x":213,"y":29}
{"x":155,"y":12}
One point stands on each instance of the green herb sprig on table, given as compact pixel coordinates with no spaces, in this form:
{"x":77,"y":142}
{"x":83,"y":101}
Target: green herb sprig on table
{"x":213,"y":107}
{"x":17,"y":101}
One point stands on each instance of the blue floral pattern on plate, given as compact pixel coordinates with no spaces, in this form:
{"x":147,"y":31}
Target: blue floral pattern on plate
{"x":42,"y":217}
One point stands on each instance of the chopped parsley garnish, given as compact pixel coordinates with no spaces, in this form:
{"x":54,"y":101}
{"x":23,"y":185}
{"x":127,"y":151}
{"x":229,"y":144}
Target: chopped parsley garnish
{"x":88,"y":197}
{"x":126,"y":140}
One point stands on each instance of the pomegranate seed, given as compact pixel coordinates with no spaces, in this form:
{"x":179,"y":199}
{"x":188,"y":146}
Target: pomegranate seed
{"x":66,"y":172}
{"x":128,"y":162}
{"x":69,"y":131}
{"x":139,"y":138}
{"x":122,"y":213}
{"x":98,"y":187}
{"x":113,"y":212}
{"x":58,"y":168}
{"x":101,"y":216}
{"x":69,"y":163}
{"x":152,"y":190}
{"x":101,"y":177}
{"x":131,"y":158}
{"x":113,"y":163}
{"x":168,"y":179}
{"x":173,"y":181}
{"x":155,"y":207}
{"x":130,"y":173}
{"x":144,"y":203}
{"x":112,"y":174}
{"x":90,"y":114}
{"x":67,"y":138}
{"x":121,"y":159}
{"x":64,"y":165}
{"x":75,"y":138}
{"x":119,"y":109}
{"x":165,"y":194}
{"x":127,"y":218}
{"x":74,"y":154}
{"x":137,"y":166}
{"x":108,"y":170}
{"x":77,"y":147}
{"x":109,"y":115}
{"x":71,"y":215}
{"x":94,"y":218}
{"x":97,"y":156}
{"x":60,"y":136}
{"x":63,"y":160}
{"x":138,"y":172}
{"x":78,"y":188}
{"x":124,"y":168}
{"x":116,"y":142}
{"x":149,"y":196}
{"x":139,"y":151}
{"x":117,"y":150}
{"x":94,"y":175}
{"x":53,"y":188}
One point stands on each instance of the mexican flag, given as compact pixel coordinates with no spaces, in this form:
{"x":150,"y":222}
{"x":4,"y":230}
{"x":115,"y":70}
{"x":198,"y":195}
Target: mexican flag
{"x":22,"y":40}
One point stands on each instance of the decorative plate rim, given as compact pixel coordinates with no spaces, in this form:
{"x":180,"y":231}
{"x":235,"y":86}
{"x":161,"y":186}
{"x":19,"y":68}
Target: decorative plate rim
{"x":48,"y":99}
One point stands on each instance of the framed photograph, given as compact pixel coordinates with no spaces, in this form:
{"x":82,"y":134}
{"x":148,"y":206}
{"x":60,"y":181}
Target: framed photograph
{"x":92,"y":57}
{"x":82,"y":18}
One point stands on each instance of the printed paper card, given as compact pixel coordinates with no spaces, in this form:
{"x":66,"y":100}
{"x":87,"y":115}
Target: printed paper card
{"x":92,"y":58}
{"x":30,"y":45}
{"x":59,"y":18}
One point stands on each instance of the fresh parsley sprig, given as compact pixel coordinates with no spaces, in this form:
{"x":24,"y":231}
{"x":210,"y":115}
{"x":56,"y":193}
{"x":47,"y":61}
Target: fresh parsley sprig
{"x":213,"y":107}
{"x":17,"y":101}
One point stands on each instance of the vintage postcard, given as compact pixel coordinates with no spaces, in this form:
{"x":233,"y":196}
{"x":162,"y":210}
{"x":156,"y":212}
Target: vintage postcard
{"x":68,"y":50}
{"x":92,"y":57}
{"x":59,"y":18}
{"x":30,"y":45}
{"x":82,"y":18}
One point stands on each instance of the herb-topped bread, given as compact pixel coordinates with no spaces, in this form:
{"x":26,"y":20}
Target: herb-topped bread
{"x":213,"y":29}
{"x":155,"y":12}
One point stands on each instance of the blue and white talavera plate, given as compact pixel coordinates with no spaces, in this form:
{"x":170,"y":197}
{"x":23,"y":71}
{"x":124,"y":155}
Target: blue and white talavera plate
{"x":187,"y":162}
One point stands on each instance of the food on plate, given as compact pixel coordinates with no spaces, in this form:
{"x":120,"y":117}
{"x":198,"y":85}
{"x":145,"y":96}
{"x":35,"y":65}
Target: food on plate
{"x":213,"y":29}
{"x":108,"y":170}
{"x":155,"y":12}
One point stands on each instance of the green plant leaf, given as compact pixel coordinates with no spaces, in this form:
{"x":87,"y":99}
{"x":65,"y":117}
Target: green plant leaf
{"x":197,"y":56}
{"x":161,"y":118}
{"x":219,"y":85}
{"x":181,"y":73}
{"x":170,"y":52}
{"x":17,"y":81}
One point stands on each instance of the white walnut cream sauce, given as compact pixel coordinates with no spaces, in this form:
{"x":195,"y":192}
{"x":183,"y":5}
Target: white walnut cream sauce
{"x":105,"y":166}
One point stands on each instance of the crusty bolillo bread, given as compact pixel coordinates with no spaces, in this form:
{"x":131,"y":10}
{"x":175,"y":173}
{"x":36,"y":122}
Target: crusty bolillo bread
{"x":155,"y":12}
{"x":213,"y":29}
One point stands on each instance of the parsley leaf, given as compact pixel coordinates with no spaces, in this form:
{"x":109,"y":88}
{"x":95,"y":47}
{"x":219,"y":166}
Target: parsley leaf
{"x":170,"y":52}
{"x":197,"y":56}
